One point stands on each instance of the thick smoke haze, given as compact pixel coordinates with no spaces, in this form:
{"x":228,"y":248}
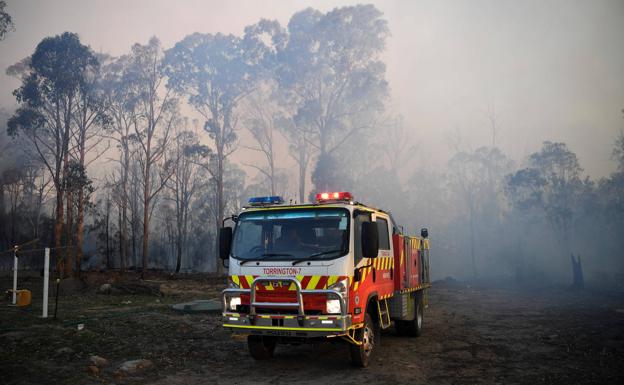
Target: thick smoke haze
{"x":493,"y":123}
{"x":544,"y":70}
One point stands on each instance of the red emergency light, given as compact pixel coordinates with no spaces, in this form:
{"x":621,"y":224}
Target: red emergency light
{"x":334,"y":196}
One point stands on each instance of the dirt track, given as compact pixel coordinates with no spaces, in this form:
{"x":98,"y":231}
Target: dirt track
{"x":473,"y":335}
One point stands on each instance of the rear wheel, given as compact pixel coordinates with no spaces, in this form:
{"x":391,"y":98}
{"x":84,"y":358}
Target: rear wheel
{"x":261,"y":347}
{"x":361,"y":355}
{"x":412,"y":328}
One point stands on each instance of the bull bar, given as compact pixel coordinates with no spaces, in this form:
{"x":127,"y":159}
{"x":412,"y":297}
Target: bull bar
{"x":260,"y":323}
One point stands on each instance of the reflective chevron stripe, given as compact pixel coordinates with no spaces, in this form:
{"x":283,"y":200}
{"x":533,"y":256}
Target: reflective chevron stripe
{"x":308,"y":282}
{"x":383,"y":263}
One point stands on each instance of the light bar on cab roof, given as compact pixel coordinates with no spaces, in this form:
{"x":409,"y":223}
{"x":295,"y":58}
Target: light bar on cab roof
{"x":334,"y":196}
{"x":270,"y":200}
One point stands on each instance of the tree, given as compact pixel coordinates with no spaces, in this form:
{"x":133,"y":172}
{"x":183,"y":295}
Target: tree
{"x":618,"y":151}
{"x":610,"y":194}
{"x":476,"y":178}
{"x":183,"y":185}
{"x":121,"y":101}
{"x":261,"y":119}
{"x":47,"y":99}
{"x":299,"y":148}
{"x":158,"y":112}
{"x":215,"y":72}
{"x":90,"y":117}
{"x":6,"y":21}
{"x":332,"y":70}
{"x":551,"y":187}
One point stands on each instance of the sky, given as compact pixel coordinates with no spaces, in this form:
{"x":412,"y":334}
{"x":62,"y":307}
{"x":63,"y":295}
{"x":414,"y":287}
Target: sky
{"x":541,"y":70}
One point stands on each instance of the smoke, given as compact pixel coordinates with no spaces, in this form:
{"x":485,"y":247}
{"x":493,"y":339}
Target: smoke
{"x":465,"y":80}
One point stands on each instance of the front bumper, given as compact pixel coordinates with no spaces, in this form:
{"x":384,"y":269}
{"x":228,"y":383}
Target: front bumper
{"x":285,"y":325}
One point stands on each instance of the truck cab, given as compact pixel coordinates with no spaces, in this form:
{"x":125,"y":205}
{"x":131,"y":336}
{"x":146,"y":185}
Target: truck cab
{"x":329,"y":269}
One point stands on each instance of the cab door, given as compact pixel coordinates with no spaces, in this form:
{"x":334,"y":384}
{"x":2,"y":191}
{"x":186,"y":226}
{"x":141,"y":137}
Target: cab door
{"x":384,"y":263}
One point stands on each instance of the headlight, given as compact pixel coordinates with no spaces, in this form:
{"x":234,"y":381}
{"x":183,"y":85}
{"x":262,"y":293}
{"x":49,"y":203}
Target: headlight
{"x":232,"y":302}
{"x":333,"y":306}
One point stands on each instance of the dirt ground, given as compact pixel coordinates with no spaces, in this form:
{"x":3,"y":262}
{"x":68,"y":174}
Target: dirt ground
{"x":473,"y":335}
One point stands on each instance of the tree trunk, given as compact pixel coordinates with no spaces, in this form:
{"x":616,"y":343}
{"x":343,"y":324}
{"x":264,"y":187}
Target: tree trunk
{"x":302,"y":180}
{"x":123,"y":239}
{"x":79,"y":231}
{"x":179,"y":252}
{"x":145,"y":231}
{"x":58,"y":229}
{"x":220,"y":203}
{"x":146,"y":202}
{"x":69,"y":255}
{"x":123,"y":228}
{"x":472,"y":242}
{"x":80,"y":220}
{"x":108,"y":257}
{"x":2,"y":234}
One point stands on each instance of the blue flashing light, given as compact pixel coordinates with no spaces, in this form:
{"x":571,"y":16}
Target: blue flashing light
{"x":271,"y":200}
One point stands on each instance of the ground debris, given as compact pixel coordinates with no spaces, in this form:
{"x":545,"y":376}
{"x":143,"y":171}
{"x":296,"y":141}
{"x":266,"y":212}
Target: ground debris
{"x":98,"y":361}
{"x":64,"y":350}
{"x":93,"y":370}
{"x":133,"y":367}
{"x":131,"y":287}
{"x":485,"y":335}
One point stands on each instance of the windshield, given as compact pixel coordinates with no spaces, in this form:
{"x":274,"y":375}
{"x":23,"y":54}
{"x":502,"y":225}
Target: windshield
{"x":291,"y":235}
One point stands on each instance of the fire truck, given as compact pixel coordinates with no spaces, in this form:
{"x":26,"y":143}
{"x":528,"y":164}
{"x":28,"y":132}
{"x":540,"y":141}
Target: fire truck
{"x":334,"y":269}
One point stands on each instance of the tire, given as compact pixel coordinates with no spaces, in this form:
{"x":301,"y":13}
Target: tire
{"x":361,"y":355}
{"x":414,"y":327}
{"x":261,"y":347}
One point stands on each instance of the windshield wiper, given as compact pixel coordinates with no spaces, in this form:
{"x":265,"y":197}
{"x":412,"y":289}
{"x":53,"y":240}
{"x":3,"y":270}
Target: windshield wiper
{"x":266,"y":256}
{"x":313,"y":256}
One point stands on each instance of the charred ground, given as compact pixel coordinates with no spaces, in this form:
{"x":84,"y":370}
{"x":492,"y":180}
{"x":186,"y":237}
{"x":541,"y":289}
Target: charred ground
{"x":474,"y":334}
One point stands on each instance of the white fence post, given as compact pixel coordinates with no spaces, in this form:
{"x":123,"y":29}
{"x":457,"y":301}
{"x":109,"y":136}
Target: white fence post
{"x":15,"y":275}
{"x":46,"y":281}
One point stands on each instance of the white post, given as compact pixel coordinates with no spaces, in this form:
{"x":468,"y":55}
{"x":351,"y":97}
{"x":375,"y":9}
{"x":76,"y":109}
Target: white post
{"x":15,"y":275}
{"x":46,"y":281}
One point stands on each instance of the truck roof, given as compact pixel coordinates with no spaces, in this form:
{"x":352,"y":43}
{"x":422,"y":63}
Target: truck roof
{"x":283,"y":206}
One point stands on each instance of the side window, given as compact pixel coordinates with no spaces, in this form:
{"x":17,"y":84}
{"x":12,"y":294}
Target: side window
{"x":384,"y":239}
{"x":357,"y":231}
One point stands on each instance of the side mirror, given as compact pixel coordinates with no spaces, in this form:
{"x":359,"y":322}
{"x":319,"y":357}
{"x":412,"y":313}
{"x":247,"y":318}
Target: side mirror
{"x":370,"y":240}
{"x":225,"y":242}
{"x":424,"y":232}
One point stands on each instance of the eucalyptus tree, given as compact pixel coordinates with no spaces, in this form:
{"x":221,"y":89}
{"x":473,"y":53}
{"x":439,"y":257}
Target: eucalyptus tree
{"x":261,"y":117}
{"x":551,"y":188}
{"x":157,"y":110}
{"x":333,"y":72}
{"x":215,"y":72}
{"x":91,"y":118}
{"x":476,"y":178}
{"x":47,"y":100}
{"x":6,"y":21}
{"x":185,"y":182}
{"x":610,"y":194}
{"x":122,"y":99}
{"x":618,"y":151}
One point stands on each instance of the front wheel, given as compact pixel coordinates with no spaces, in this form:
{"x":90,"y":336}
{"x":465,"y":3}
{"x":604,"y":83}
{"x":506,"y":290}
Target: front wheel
{"x":361,"y":354}
{"x":261,"y":347}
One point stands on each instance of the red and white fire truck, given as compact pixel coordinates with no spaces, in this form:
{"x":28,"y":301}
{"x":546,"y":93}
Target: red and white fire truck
{"x":334,"y":269}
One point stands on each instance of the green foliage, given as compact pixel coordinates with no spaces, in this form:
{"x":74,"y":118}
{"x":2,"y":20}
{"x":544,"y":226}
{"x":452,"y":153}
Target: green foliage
{"x":329,"y":176}
{"x":60,"y":65}
{"x":551,"y":187}
{"x":334,"y":78}
{"x":6,"y":21}
{"x":618,"y":151}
